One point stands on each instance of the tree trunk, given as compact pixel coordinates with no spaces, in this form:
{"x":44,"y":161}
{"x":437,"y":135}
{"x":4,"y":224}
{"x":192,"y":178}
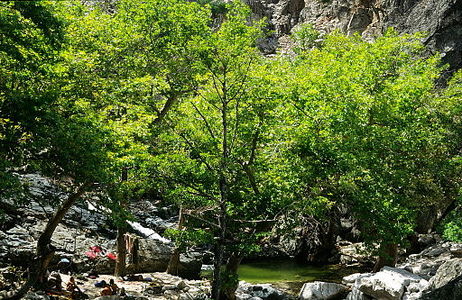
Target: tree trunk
{"x":217,"y":262}
{"x":223,"y":185}
{"x":120,"y":267}
{"x":231,"y":281}
{"x":174,"y":262}
{"x":387,"y":256}
{"x":44,"y":250}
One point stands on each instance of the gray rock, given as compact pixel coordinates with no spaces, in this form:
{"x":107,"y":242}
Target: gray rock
{"x":353,"y":254}
{"x":181,"y":285}
{"x":389,"y":283}
{"x":243,"y":296}
{"x":153,"y":256}
{"x":351,"y":279}
{"x":322,"y":290}
{"x":446,"y":273}
{"x":450,"y":291}
{"x":263,"y":291}
{"x":35,"y":296}
{"x":427,"y":262}
{"x":356,"y":294}
{"x":442,"y":20}
{"x":190,"y":264}
{"x":169,"y":288}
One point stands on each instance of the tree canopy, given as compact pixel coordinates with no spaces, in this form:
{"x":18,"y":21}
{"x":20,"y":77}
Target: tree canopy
{"x":173,"y":98}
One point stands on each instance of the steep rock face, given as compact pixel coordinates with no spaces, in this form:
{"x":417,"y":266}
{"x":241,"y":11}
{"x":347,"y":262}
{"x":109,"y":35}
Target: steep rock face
{"x":440,"y":19}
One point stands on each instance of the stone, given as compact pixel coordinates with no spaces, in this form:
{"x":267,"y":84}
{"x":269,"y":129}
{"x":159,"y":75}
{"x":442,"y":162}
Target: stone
{"x":169,"y":287}
{"x":351,"y":279}
{"x":263,"y":291}
{"x":243,"y":296}
{"x":321,"y":290}
{"x":446,"y":273}
{"x":427,"y":262}
{"x":353,"y":254}
{"x":36,"y":296}
{"x":181,"y":285}
{"x":356,"y":294}
{"x":389,"y":283}
{"x":153,"y":256}
{"x":190,"y":265}
{"x":452,"y":290}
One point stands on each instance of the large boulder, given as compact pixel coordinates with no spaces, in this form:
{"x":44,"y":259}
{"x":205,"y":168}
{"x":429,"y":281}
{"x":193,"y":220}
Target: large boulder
{"x":446,"y":273}
{"x":389,"y":283}
{"x":322,"y":290}
{"x":153,"y":256}
{"x":190,"y":265}
{"x":452,"y":290}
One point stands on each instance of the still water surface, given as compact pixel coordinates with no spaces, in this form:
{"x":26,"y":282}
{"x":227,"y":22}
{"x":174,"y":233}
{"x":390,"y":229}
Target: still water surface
{"x":288,"y":274}
{"x":283,"y":270}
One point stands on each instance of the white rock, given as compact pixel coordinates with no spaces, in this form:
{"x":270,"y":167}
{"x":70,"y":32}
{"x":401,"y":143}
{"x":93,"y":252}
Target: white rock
{"x":356,"y":294}
{"x":390,"y":283}
{"x":321,"y":290}
{"x":351,"y":279}
{"x":243,"y":296}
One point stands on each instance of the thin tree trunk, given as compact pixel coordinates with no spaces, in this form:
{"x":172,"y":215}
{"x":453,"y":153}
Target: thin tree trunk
{"x":223,"y":185}
{"x":44,"y":250}
{"x":387,"y":256}
{"x":232,"y":282}
{"x":174,"y":262}
{"x":217,"y":263}
{"x":120,"y":267}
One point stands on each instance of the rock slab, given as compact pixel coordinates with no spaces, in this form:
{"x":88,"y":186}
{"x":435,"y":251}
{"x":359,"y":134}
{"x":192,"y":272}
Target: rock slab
{"x":322,"y":291}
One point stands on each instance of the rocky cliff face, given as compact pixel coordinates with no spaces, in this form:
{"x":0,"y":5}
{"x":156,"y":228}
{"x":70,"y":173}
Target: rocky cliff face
{"x":440,"y":19}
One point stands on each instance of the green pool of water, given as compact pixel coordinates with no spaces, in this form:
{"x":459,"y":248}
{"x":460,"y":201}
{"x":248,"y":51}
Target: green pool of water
{"x":284,"y":271}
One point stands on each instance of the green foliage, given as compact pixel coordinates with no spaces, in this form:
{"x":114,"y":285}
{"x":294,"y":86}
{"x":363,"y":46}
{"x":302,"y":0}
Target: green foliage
{"x":187,"y":238}
{"x":452,"y":227}
{"x":306,"y":37}
{"x":369,"y":135}
{"x":151,"y":99}
{"x":30,"y":35}
{"x":218,"y":7}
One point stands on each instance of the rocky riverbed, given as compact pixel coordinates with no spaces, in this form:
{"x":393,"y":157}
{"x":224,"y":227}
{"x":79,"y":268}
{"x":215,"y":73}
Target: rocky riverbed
{"x":434,"y":273}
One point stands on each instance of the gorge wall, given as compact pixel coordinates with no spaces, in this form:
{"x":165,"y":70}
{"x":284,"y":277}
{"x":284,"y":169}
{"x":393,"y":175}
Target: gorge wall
{"x":440,"y":19}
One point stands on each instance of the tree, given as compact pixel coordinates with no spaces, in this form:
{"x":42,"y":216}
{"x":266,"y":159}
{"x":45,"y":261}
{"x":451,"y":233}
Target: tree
{"x":131,"y":68}
{"x":369,"y":134}
{"x":218,"y":154}
{"x":29,"y":36}
{"x":61,"y":142}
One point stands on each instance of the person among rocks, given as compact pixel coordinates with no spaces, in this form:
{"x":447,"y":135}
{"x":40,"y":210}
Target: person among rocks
{"x":114,"y":287}
{"x":107,"y":291}
{"x":71,"y":286}
{"x":122,"y":292}
{"x":54,"y":282}
{"x":76,"y":292}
